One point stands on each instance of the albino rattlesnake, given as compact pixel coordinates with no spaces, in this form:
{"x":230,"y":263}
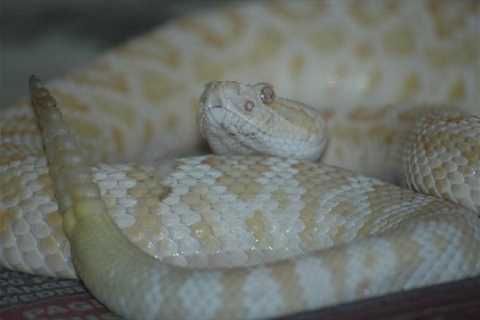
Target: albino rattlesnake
{"x":402,"y":239}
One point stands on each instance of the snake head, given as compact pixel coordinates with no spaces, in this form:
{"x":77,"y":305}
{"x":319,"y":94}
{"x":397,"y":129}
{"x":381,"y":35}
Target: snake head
{"x":238,"y":118}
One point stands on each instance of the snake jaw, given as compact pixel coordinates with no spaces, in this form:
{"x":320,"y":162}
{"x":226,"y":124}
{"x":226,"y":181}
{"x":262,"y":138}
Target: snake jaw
{"x":219,"y":120}
{"x":238,"y":118}
{"x":226,"y":118}
{"x":210,"y":106}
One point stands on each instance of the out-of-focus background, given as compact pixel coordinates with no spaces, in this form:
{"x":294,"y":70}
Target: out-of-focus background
{"x":50,"y":37}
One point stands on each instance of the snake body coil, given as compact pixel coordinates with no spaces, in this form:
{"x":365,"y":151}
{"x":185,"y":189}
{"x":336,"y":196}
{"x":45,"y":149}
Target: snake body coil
{"x":254,"y":236}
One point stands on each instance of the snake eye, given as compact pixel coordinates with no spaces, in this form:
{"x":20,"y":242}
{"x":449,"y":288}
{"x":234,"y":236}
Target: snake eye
{"x":249,"y":105}
{"x":267,"y":94}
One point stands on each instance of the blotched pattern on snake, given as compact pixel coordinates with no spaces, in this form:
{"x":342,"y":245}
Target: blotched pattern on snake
{"x":367,"y":66}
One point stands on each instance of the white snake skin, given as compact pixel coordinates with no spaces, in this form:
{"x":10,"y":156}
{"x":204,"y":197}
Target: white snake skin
{"x":277,"y":236}
{"x":245,"y":119}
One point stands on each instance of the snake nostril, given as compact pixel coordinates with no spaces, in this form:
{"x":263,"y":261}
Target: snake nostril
{"x":212,"y":85}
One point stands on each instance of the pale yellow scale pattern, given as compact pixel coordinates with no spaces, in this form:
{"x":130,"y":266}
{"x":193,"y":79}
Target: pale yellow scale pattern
{"x":369,"y":66}
{"x":449,"y":171}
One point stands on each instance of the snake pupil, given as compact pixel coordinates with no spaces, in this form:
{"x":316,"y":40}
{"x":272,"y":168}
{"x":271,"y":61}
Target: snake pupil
{"x":267,"y":94}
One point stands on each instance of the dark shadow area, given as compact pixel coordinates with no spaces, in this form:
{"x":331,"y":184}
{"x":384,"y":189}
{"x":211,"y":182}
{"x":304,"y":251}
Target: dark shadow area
{"x":51,"y":37}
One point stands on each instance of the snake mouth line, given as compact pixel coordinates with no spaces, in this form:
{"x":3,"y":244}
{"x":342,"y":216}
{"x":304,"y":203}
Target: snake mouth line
{"x":214,"y":114}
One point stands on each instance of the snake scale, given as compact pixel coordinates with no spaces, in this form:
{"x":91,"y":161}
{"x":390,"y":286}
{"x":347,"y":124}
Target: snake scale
{"x":250,"y":236}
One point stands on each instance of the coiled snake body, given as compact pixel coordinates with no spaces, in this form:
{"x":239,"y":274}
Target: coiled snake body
{"x":368,"y":70}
